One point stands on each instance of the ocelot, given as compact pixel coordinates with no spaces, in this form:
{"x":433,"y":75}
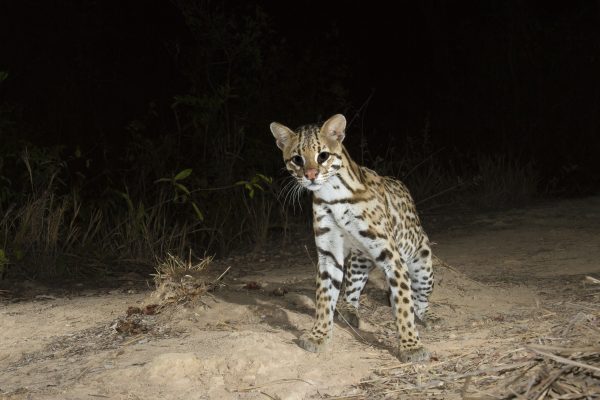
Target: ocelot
{"x":360,"y":220}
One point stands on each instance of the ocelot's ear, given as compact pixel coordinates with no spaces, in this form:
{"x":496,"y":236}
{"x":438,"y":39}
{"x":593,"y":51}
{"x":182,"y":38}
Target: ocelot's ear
{"x":282,"y":134}
{"x":334,"y":128}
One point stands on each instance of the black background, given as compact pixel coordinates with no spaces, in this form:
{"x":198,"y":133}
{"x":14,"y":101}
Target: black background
{"x":518,"y":77}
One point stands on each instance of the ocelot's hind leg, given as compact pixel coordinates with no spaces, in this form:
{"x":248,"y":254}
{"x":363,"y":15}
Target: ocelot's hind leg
{"x":421,"y":278}
{"x":357,"y":268}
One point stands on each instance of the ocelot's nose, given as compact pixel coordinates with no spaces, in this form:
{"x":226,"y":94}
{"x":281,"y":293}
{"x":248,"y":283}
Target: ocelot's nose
{"x":311,"y":173}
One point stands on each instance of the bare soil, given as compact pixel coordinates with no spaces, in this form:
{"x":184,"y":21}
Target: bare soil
{"x":507,"y":280}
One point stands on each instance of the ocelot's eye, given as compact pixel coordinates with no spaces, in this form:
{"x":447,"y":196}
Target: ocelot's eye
{"x":298,"y":160}
{"x":322,"y":157}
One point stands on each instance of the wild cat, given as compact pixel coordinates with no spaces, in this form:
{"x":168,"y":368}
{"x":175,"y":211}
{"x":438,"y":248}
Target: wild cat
{"x":360,"y":220}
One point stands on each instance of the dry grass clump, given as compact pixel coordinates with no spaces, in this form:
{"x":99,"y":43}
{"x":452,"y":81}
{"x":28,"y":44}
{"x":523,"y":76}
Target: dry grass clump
{"x":560,"y":373}
{"x":183,"y":282}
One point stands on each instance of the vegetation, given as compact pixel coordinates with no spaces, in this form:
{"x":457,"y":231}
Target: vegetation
{"x":198,"y":185}
{"x":201,"y":173}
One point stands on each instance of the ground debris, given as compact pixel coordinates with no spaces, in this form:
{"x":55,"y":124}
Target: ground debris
{"x":133,"y":310}
{"x":252,"y":286}
{"x":181,"y":282}
{"x":564,"y":364}
{"x":279,"y":291}
{"x":132,"y":325}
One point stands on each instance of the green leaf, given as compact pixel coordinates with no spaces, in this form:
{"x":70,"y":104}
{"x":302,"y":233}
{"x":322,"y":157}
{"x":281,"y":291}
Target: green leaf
{"x":126,"y":197}
{"x":162,"y":180}
{"x":265,"y":178}
{"x":183,"y":174}
{"x":199,"y":214}
{"x":182,"y":188}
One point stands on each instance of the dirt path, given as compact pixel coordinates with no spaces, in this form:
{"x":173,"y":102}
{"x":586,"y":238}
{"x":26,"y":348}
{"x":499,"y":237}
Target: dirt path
{"x":514,"y":277}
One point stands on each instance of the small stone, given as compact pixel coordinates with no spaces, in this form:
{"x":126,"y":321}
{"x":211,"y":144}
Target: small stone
{"x":133,"y":310}
{"x":252,"y":285}
{"x":279,"y":291}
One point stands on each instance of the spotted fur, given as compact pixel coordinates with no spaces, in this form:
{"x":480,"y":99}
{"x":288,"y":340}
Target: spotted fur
{"x":361,"y":220}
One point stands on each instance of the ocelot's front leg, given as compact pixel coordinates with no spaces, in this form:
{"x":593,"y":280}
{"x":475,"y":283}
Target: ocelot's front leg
{"x":330,"y":273}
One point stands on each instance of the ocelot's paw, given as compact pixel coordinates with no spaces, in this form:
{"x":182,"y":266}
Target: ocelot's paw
{"x":429,"y":320}
{"x":313,"y":343}
{"x":349,"y":316}
{"x":413,"y":355}
{"x":431,"y":316}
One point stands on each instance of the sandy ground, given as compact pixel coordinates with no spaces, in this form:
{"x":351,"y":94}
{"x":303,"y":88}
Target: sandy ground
{"x":513,"y":277}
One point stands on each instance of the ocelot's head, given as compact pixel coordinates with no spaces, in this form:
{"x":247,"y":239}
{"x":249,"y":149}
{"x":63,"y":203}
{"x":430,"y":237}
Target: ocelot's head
{"x":312,"y":153}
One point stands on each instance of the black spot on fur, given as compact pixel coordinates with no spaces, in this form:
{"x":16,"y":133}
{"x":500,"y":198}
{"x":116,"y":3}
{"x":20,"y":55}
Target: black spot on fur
{"x":321,"y":231}
{"x":384,"y":255}
{"x":368,"y":234}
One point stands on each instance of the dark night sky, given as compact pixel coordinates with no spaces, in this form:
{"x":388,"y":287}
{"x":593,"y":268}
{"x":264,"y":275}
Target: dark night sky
{"x":484,"y":75}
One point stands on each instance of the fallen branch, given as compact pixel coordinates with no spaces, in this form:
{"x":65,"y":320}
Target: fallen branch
{"x":564,"y":360}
